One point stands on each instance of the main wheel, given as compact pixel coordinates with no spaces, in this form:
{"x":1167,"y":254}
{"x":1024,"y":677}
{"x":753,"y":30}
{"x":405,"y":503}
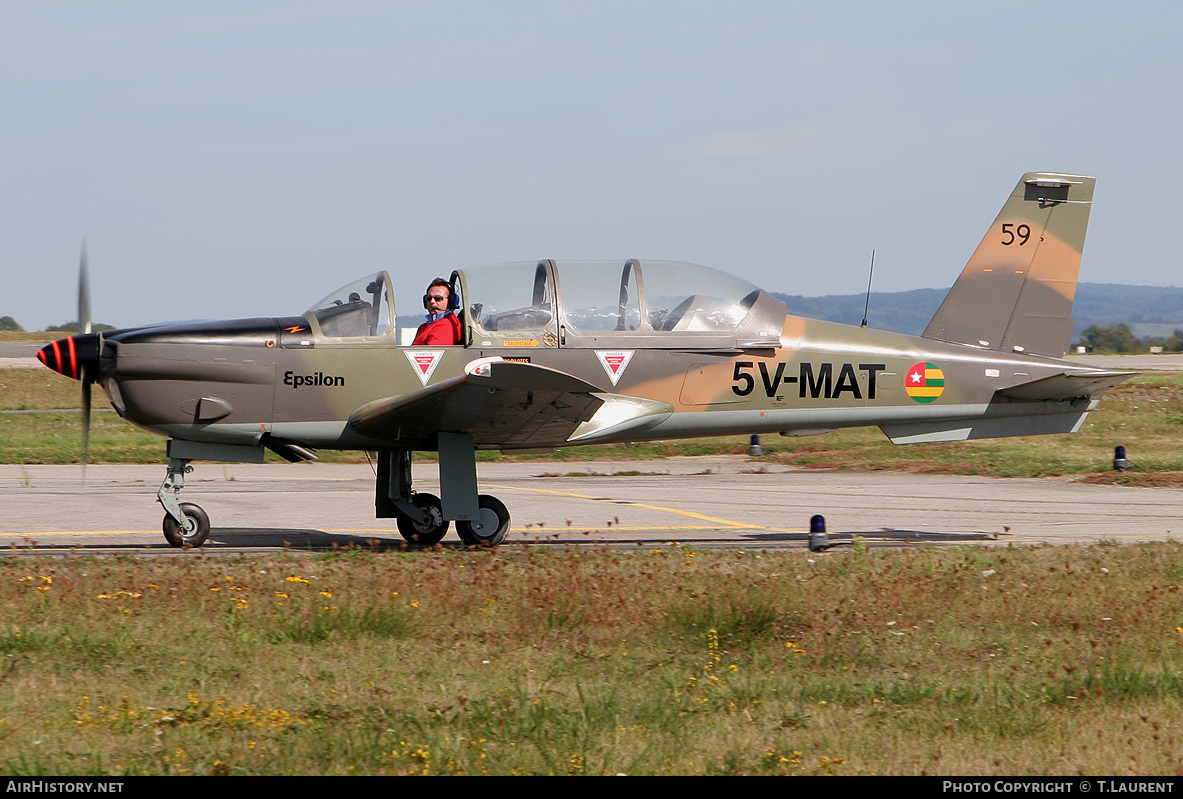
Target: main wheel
{"x":176,"y":535}
{"x":424,"y":534}
{"x":492,"y":527}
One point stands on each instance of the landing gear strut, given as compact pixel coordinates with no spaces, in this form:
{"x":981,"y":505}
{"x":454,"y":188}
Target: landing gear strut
{"x":185,"y":524}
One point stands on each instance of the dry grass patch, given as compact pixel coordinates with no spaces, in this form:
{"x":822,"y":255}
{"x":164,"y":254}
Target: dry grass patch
{"x":957,"y":661}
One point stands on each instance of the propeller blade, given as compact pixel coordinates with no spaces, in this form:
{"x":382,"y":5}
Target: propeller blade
{"x":83,"y":293}
{"x":85,"y":418}
{"x":84,"y":326}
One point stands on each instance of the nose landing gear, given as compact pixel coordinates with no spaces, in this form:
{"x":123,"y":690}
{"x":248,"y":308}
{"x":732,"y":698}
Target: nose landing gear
{"x":185,"y":524}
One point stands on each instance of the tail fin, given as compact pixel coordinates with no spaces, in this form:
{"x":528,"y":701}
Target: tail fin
{"x":1016,"y":292}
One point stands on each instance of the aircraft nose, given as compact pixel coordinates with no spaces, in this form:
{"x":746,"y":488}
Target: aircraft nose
{"x":74,"y":356}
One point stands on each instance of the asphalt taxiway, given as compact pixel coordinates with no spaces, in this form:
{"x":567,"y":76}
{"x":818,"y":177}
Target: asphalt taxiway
{"x":725,"y":501}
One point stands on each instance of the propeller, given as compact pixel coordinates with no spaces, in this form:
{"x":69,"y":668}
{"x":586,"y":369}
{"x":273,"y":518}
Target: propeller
{"x":84,"y":326}
{"x":78,"y":356}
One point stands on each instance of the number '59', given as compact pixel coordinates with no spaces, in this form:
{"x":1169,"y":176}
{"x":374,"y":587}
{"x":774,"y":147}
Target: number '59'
{"x":1011,"y":234}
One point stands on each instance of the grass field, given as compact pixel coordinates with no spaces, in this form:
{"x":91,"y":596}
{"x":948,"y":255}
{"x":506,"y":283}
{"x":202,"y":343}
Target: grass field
{"x":956,"y":661}
{"x":30,"y":335}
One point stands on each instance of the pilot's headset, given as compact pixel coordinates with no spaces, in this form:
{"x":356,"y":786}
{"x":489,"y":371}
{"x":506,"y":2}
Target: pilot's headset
{"x":453,"y":298}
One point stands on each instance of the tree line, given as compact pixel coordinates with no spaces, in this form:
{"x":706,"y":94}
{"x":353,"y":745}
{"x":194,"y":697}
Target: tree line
{"x":7,"y":323}
{"x":1119,"y":338}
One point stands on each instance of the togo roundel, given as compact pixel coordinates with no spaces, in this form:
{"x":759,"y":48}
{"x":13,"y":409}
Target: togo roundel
{"x":924,"y":382}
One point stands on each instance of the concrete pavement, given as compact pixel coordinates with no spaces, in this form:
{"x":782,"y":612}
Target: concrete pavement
{"x":702,"y":501}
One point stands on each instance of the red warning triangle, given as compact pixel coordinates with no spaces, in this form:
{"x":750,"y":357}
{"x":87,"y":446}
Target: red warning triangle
{"x":424,"y":362}
{"x":614,"y":362}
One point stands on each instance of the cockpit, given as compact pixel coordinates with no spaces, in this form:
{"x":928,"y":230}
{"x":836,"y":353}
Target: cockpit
{"x":358,"y":309}
{"x":576,"y":304}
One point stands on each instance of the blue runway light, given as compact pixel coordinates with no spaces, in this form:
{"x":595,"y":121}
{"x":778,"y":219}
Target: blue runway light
{"x":818,"y":540}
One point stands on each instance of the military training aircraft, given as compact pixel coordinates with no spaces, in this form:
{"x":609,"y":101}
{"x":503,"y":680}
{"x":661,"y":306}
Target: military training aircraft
{"x":555,"y":354}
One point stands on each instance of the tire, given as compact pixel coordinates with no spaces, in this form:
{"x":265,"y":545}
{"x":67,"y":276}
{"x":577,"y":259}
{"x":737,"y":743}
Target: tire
{"x":424,"y":535}
{"x":177,"y":537}
{"x":491,"y":529}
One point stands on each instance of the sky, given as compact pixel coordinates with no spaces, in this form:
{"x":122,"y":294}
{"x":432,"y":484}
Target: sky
{"x":226,"y":159}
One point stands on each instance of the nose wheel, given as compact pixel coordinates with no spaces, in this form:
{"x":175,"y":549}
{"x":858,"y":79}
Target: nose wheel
{"x":193,"y":533}
{"x":492,"y":526}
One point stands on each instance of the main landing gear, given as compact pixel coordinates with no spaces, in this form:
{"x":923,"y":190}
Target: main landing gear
{"x":422,"y":518}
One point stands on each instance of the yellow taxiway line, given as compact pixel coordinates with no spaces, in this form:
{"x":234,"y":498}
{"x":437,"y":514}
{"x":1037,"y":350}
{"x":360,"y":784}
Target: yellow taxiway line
{"x":724,"y":523}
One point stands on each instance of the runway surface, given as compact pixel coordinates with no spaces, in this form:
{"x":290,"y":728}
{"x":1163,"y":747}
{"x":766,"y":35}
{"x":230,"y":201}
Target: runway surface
{"x":730,"y":501}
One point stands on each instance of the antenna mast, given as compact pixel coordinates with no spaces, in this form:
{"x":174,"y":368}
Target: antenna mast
{"x":867,"y":307}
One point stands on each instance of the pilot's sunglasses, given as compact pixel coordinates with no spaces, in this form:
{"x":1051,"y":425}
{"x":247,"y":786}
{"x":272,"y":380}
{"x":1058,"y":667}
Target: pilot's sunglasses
{"x":437,"y":298}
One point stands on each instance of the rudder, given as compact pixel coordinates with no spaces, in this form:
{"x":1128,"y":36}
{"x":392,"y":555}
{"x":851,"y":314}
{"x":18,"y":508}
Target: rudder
{"x":1016,"y":292}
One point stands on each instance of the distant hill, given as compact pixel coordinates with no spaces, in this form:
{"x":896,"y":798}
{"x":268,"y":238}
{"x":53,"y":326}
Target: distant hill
{"x":1148,"y":310}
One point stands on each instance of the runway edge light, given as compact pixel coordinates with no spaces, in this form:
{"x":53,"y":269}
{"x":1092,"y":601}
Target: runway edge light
{"x":818,"y":540}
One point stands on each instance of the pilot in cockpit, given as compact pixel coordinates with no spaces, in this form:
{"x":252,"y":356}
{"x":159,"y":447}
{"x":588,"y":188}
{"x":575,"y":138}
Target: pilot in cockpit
{"x":442,"y":325}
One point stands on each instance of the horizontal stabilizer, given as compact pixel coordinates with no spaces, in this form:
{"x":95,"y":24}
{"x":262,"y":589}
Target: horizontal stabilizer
{"x":1069,"y":385}
{"x":1056,"y":404}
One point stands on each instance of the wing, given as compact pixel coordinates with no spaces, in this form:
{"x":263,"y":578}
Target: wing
{"x":507,"y":405}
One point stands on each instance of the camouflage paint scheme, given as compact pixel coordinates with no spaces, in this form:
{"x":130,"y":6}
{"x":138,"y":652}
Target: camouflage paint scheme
{"x":989,"y":364}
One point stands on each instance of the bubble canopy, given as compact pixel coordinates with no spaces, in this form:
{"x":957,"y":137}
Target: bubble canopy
{"x":606,"y":300}
{"x":358,"y":309}
{"x":579,"y":303}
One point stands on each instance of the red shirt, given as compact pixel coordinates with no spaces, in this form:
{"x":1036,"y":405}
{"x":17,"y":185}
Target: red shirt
{"x":445,"y":331}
